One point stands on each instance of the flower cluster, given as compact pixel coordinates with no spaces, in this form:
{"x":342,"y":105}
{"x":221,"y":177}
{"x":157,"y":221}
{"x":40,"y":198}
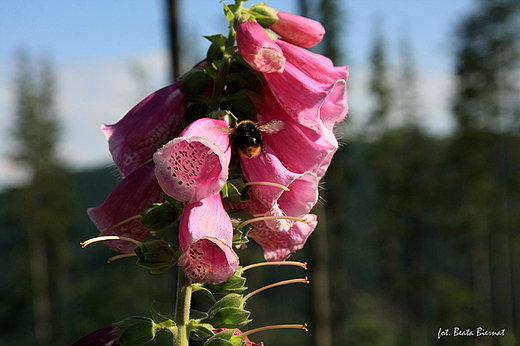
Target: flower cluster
{"x":297,"y":98}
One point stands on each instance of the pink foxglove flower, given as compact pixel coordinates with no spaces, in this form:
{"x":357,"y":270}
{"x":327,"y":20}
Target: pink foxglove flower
{"x":194,"y":165}
{"x":206,"y":238}
{"x":312,"y":83}
{"x":278,"y":238}
{"x":148,"y":125}
{"x":260,"y":169}
{"x":301,"y":31}
{"x":320,"y":68}
{"x":131,"y":197}
{"x":298,"y":148}
{"x":258,"y":49}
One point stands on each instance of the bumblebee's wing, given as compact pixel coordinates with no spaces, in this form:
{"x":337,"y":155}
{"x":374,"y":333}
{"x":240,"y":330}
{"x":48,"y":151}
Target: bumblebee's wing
{"x":228,"y":131}
{"x":272,"y":126}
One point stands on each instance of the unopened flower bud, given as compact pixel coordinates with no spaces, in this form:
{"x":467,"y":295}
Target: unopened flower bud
{"x":258,"y":49}
{"x":195,"y":81}
{"x":301,"y":31}
{"x":264,"y":15}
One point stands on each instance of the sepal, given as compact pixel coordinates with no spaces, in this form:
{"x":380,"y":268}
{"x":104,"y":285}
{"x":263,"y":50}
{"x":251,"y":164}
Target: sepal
{"x":162,"y":321}
{"x":157,"y":255}
{"x":200,"y":331}
{"x":234,"y":284}
{"x":221,"y":339}
{"x":228,"y":313}
{"x":136,"y":331}
{"x":158,"y":216}
{"x":195,"y":81}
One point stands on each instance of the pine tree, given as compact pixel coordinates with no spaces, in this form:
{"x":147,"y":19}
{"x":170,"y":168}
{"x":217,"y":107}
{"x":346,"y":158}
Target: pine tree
{"x":485,"y":109}
{"x":43,"y":203}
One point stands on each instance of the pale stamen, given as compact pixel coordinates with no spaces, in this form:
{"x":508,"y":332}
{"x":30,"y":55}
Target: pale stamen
{"x":262,"y":218}
{"x":109,"y":237}
{"x":278,"y":326}
{"x":281,"y":283}
{"x":281,"y":263}
{"x":285,"y":188}
{"x":112,"y":259}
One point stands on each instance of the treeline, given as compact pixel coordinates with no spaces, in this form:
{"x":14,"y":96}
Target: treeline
{"x":425,"y":230}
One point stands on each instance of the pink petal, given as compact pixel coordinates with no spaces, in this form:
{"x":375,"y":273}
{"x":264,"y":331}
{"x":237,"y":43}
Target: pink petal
{"x":258,"y":49}
{"x":301,"y":31}
{"x":193,"y":167}
{"x":206,"y":236}
{"x":279,"y":245}
{"x":259,"y":169}
{"x":133,"y":140}
{"x":298,"y":148}
{"x":131,"y":197}
{"x":313,"y":80}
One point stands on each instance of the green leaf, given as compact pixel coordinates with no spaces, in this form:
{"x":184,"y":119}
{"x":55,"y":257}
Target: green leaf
{"x":206,"y":291}
{"x":217,"y":39}
{"x":162,"y":321}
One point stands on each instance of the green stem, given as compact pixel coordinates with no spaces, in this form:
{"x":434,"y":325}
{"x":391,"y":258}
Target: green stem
{"x":182,"y":312}
{"x":220,"y":83}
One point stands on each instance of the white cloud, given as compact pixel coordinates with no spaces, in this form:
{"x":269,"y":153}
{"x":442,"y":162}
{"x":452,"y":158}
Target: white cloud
{"x":435,"y":90}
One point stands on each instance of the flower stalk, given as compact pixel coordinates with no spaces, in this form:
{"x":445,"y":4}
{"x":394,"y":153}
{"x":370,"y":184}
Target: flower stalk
{"x":286,"y":263}
{"x":182,"y":312}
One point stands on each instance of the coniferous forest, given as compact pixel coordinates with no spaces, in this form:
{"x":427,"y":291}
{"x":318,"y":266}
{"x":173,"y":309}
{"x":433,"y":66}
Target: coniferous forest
{"x":418,"y":233}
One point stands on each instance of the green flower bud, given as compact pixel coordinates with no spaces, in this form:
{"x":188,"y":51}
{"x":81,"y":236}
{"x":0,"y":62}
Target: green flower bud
{"x":157,"y":255}
{"x":195,"y":81}
{"x":264,"y":15}
{"x":136,"y":331}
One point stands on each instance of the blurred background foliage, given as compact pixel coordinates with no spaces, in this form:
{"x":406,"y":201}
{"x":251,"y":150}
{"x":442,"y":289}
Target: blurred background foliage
{"x":418,"y":232}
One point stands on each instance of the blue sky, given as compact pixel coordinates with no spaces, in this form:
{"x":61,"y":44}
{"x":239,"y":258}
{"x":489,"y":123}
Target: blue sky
{"x":95,"y":43}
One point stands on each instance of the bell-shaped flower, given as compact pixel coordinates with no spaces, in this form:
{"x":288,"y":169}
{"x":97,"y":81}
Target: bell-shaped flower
{"x":312,"y":82}
{"x":270,"y":169}
{"x":279,"y":245}
{"x":279,"y":238}
{"x":194,"y":165}
{"x":333,"y":79}
{"x":148,"y":125}
{"x":258,"y":49}
{"x":206,"y":238}
{"x":301,"y":31}
{"x":117,"y":214}
{"x":298,"y":148}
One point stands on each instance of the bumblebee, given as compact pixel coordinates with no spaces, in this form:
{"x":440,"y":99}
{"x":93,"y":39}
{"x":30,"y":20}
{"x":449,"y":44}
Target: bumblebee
{"x":247,"y":139}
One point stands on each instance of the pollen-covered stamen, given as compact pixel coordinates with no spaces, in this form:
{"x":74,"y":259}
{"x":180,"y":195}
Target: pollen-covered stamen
{"x":283,"y":187}
{"x":287,"y":263}
{"x":281,"y":283}
{"x":277,"y":326}
{"x":109,"y":237}
{"x":263,"y":218}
